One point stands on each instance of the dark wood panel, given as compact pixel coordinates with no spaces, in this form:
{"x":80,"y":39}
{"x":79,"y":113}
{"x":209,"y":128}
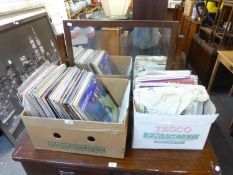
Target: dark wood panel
{"x":202,"y":57}
{"x":39,"y":169}
{"x":62,"y":48}
{"x":150,"y":9}
{"x":129,"y":173}
{"x":135,"y":161}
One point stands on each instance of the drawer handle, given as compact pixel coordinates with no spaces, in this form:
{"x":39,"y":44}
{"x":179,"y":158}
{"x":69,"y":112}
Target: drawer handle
{"x":66,"y":173}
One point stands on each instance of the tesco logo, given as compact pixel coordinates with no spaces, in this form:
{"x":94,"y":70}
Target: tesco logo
{"x":173,"y":129}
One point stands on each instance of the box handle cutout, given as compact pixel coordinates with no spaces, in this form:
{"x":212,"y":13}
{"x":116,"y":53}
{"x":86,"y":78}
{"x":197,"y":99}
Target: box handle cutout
{"x":91,"y":138}
{"x":56,"y":135}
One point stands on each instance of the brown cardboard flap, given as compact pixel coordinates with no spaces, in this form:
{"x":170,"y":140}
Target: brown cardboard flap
{"x":112,"y":86}
{"x":123,"y":64}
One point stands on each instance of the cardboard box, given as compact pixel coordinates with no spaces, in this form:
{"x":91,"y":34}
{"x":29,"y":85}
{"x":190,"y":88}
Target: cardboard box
{"x":84,"y":137}
{"x":188,"y":7}
{"x":173,"y":132}
{"x":124,"y":66}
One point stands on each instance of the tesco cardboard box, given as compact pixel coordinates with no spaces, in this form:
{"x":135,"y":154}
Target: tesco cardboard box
{"x":85,"y":137}
{"x":173,"y":132}
{"x":123,"y":65}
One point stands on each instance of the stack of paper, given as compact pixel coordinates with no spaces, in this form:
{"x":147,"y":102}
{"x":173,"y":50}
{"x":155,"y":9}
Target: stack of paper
{"x":165,"y":78}
{"x":96,"y":61}
{"x":145,"y":63}
{"x":67,"y":93}
{"x":169,"y":93}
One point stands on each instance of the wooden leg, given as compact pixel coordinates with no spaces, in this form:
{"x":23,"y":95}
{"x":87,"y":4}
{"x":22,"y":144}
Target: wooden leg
{"x":231,"y":91}
{"x":213,"y":75}
{"x":227,"y":26}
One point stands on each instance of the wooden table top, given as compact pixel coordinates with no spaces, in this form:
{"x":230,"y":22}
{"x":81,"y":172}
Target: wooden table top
{"x":152,"y":161}
{"x":227,"y":55}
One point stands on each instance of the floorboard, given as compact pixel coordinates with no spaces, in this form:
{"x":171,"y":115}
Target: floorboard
{"x":219,"y":136}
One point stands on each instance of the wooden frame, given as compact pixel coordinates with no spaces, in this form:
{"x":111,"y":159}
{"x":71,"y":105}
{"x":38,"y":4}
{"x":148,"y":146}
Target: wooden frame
{"x":173,"y":25}
{"x":14,"y":24}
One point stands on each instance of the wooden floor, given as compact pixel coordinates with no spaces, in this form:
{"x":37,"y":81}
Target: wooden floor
{"x":7,"y":165}
{"x":220,"y":137}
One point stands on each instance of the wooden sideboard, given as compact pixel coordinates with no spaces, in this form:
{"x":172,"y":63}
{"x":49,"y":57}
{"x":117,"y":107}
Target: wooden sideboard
{"x":202,"y":57}
{"x":188,"y":28}
{"x":136,"y":162}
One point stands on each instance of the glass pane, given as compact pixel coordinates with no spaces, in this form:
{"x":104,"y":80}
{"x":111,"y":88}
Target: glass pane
{"x":123,"y":41}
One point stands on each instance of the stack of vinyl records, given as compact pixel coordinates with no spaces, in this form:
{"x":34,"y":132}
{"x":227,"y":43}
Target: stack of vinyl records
{"x":96,"y":61}
{"x":169,"y":93}
{"x":165,"y":78}
{"x":67,"y":93}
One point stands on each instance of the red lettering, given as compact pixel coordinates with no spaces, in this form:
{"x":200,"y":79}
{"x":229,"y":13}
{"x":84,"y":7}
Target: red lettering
{"x":172,"y":129}
{"x":180,"y":129}
{"x":187,"y":129}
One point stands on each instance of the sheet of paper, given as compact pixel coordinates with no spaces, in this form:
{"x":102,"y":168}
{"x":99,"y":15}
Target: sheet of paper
{"x":81,"y":36}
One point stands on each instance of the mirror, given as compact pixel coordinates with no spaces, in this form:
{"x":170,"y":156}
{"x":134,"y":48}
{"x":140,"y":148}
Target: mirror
{"x":124,"y":38}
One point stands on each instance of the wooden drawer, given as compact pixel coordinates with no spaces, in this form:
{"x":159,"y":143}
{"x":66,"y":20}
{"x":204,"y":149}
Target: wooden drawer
{"x":48,"y":169}
{"x":129,"y":173}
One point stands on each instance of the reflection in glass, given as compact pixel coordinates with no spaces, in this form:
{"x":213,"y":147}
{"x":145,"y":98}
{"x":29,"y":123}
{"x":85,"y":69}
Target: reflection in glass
{"x":121,"y":41}
{"x":115,"y":9}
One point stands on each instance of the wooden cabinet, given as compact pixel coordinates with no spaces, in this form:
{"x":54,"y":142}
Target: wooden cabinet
{"x":43,"y":168}
{"x":188,"y":28}
{"x":136,"y":162}
{"x":202,"y":57}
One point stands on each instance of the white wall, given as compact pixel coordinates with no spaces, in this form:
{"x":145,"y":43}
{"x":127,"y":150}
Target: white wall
{"x":55,"y":9}
{"x":57,"y":12}
{"x":10,"y":6}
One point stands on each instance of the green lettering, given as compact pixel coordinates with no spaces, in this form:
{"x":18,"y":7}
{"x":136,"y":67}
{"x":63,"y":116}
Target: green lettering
{"x":189,"y":136}
{"x":195,"y":136}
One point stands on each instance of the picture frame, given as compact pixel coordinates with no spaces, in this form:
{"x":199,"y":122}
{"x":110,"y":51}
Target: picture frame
{"x":26,"y":43}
